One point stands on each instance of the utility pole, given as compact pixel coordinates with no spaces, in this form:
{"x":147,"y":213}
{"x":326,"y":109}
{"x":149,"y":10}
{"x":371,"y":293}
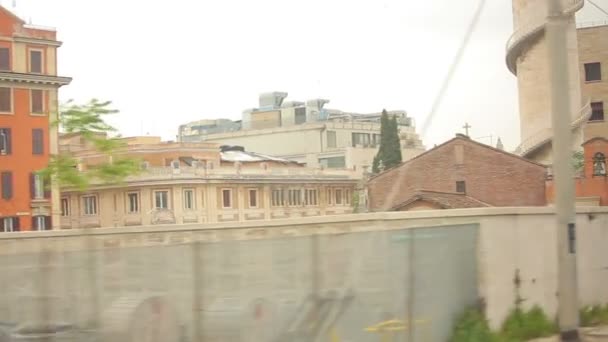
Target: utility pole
{"x":563,"y":172}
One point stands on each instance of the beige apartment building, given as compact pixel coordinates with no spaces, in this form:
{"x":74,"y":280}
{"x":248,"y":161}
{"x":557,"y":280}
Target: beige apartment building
{"x":199,"y":183}
{"x":306,"y":132}
{"x":593,"y":56}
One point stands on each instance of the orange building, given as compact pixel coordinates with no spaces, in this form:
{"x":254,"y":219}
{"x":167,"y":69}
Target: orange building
{"x":592,"y":184}
{"x":28,"y":103}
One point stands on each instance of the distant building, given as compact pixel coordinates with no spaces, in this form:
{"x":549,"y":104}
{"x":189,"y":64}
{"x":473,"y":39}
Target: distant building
{"x":28,"y":104}
{"x":307,"y":132}
{"x":592,"y":183}
{"x":460,"y":173}
{"x":203,"y":183}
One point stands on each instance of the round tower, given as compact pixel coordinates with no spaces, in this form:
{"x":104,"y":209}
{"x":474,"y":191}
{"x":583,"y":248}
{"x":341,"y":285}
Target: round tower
{"x":527,"y":58}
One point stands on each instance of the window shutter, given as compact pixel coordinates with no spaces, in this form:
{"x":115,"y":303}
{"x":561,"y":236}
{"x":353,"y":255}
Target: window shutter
{"x":37,"y":141}
{"x":47,"y":223}
{"x":1,"y":224}
{"x":32,"y":186}
{"x":9,"y":148}
{"x":16,"y":226}
{"x":47,"y":188}
{"x":7,"y":185}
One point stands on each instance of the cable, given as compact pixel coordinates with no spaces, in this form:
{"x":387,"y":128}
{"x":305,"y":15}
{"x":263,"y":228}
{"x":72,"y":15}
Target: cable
{"x":598,"y":7}
{"x":453,"y":67}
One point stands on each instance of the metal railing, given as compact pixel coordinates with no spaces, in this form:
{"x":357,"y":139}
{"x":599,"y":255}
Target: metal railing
{"x":533,"y":25}
{"x":545,"y":135}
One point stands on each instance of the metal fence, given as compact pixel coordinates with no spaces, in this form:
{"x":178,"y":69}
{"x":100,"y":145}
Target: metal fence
{"x":393,"y":285}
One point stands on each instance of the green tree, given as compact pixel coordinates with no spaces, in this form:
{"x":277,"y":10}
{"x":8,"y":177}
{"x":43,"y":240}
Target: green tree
{"x":389,"y":153}
{"x":578,"y":161}
{"x":88,"y":121}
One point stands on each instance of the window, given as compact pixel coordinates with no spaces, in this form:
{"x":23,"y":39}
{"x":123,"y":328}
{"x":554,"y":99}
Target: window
{"x":89,"y":205}
{"x":9,"y":224}
{"x":593,"y":72}
{"x":278,"y":200}
{"x":132,"y":202}
{"x":36,"y":61}
{"x":599,"y":164}
{"x":6,"y":103}
{"x":189,"y":199}
{"x":175,"y":164}
{"x":227,"y":198}
{"x":41,"y":222}
{"x":330,"y":197}
{"x":161,"y":199}
{"x":461,"y":187}
{"x":300,"y":115}
{"x":338,"y":196}
{"x":253,"y":198}
{"x":65,"y":207}
{"x":347,"y":198}
{"x":361,"y":139}
{"x":5,"y":59}
{"x":295,"y":197}
{"x":331,"y":139}
{"x":7,"y":185}
{"x":597,"y":111}
{"x":310,"y":197}
{"x":37,"y":141}
{"x":5,"y":141}
{"x":37,"y":190}
{"x":37,"y":101}
{"x":333,"y":162}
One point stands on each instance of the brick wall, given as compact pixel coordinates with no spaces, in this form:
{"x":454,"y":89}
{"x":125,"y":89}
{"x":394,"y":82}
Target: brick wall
{"x":492,"y":176}
{"x":588,"y":185}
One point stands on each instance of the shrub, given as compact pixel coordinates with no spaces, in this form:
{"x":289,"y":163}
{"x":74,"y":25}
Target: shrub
{"x":471,"y":326}
{"x":594,"y":315}
{"x":522,"y":326}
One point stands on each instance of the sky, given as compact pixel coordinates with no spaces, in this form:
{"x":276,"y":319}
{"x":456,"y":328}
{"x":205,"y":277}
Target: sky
{"x":165,"y":63}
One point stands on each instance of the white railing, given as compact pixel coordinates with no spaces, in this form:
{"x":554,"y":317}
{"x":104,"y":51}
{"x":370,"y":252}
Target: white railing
{"x":543,"y":136}
{"x":534,"y":25}
{"x":234,"y":172}
{"x":595,"y":23}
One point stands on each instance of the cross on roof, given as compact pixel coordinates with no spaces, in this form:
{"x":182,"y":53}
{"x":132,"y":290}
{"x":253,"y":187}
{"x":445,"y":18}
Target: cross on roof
{"x":466,"y":128}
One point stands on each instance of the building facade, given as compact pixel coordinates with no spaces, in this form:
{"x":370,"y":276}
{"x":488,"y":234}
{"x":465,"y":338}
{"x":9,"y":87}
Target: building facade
{"x":460,"y":173}
{"x":308,"y":132}
{"x":203,"y":183}
{"x":593,"y":55}
{"x":592,"y":183}
{"x":28,"y":103}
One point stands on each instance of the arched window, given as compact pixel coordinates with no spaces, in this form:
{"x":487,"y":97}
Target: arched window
{"x":599,"y":164}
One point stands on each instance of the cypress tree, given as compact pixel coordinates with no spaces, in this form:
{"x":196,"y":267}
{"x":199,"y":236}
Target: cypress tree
{"x":389,"y":153}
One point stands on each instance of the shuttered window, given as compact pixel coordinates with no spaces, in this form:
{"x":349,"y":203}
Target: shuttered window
{"x":7,"y":185}
{"x":5,"y":59}
{"x":37,"y":101}
{"x":6,"y":105}
{"x":37,"y":141}
{"x":36,"y":61}
{"x":5,"y":141}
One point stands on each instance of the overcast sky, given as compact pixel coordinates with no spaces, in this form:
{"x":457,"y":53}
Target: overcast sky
{"x":164,"y":63}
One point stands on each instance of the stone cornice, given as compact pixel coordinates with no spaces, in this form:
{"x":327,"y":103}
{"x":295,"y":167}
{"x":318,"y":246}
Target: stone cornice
{"x":17,"y":77}
{"x":39,"y":41}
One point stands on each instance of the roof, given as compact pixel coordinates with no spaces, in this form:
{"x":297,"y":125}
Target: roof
{"x":595,"y":139}
{"x":458,"y":137}
{"x":445,"y":200}
{"x":251,"y":157}
{"x":19,"y":20}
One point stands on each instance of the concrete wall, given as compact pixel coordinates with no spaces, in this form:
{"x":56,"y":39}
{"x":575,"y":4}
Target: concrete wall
{"x":503,"y":241}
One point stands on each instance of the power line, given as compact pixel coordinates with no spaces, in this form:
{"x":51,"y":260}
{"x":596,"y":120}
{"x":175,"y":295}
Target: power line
{"x":598,"y":7}
{"x":454,"y":66}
